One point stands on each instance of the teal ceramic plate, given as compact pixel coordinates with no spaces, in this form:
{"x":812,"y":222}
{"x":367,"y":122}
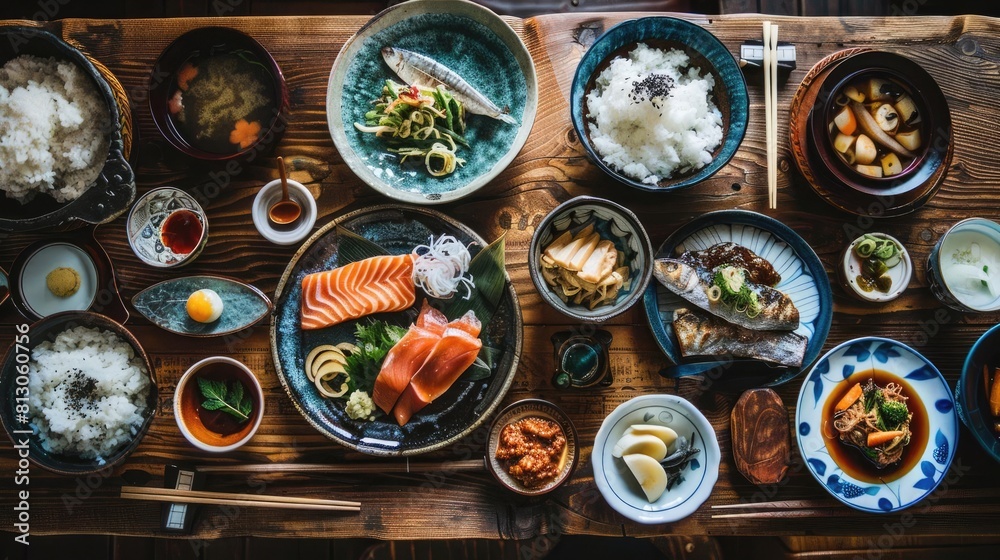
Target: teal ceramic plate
{"x":466,"y":405}
{"x":165,"y":305}
{"x":465,"y":37}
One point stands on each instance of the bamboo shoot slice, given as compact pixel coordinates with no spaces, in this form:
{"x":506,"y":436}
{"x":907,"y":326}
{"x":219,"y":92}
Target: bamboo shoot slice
{"x":586,"y":249}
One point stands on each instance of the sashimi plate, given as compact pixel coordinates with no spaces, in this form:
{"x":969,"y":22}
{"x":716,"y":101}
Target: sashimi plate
{"x":466,"y":38}
{"x":803,"y":279}
{"x":463,"y":408}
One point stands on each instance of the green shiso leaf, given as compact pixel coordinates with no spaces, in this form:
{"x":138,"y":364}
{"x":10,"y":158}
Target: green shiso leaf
{"x":231,"y":401}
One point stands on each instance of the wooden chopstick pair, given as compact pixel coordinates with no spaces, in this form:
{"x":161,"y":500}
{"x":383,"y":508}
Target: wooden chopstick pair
{"x":771,"y":110}
{"x":465,"y":465}
{"x":955,"y":501}
{"x":225,"y":498}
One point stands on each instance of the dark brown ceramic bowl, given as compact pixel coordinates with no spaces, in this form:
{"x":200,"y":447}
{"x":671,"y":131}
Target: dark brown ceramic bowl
{"x":206,"y":41}
{"x":47,"y":329}
{"x":532,"y":408}
{"x":931,"y":104}
{"x":98,"y":291}
{"x":114,"y":188}
{"x":895,"y":198}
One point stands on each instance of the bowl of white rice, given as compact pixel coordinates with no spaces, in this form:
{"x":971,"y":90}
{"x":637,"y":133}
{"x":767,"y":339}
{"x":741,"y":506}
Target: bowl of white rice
{"x":659,"y":103}
{"x":62,"y":161}
{"x":78,"y":393}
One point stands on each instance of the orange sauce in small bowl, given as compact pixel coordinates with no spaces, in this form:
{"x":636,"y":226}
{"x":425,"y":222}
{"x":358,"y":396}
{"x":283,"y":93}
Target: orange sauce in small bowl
{"x":215,"y":427}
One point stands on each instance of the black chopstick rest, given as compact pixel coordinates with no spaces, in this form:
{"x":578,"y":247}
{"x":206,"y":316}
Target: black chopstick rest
{"x":176,"y":517}
{"x":752,"y":58}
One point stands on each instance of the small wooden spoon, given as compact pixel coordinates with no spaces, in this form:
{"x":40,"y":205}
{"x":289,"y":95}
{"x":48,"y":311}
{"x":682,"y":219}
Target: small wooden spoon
{"x":286,"y":210}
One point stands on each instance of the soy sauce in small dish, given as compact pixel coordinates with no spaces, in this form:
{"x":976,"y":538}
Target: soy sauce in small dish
{"x":181,"y":232}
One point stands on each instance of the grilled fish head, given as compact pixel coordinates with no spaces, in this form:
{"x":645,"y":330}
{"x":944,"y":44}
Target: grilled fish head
{"x":675,"y":275}
{"x":392,"y":58}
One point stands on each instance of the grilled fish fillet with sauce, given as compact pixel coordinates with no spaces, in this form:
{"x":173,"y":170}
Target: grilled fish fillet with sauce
{"x":777,"y":312}
{"x":759,"y":270}
{"x":702,"y":334}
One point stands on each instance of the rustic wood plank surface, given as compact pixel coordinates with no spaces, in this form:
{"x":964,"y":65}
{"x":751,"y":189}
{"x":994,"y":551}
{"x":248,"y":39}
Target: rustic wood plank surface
{"x":961,"y":53}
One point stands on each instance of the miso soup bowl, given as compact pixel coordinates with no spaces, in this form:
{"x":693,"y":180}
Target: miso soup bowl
{"x":212,"y":40}
{"x":936,"y":129}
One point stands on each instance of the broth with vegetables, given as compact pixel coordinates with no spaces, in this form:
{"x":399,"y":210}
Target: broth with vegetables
{"x":876,"y":126}
{"x":222,"y":102}
{"x":875,"y":426}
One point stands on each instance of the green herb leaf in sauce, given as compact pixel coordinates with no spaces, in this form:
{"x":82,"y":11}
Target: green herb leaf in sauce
{"x":232,"y":400}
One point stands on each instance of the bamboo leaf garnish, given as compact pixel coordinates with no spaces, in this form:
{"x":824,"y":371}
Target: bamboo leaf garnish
{"x":353,"y":247}
{"x":490,"y":276}
{"x":231,"y":400}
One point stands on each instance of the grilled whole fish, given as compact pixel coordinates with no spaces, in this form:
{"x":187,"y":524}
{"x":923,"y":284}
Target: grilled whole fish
{"x":703,"y":334}
{"x":759,"y":269}
{"x":420,"y":70}
{"x":777,"y":312}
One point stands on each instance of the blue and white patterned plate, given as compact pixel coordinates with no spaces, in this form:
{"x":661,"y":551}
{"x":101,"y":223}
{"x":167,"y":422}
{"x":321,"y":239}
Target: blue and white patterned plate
{"x":906,"y":363}
{"x":618,"y":485}
{"x":803,"y":278}
{"x":470,"y":40}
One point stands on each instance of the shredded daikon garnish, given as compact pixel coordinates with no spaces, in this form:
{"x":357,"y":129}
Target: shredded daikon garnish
{"x":441,"y":267}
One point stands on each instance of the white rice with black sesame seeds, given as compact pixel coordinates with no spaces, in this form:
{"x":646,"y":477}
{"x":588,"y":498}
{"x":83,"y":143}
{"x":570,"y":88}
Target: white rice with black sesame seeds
{"x":88,"y":392}
{"x":651,"y":115}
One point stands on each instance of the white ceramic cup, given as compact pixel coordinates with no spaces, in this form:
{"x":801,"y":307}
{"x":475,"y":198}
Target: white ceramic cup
{"x":271,"y":193}
{"x":185,"y":421}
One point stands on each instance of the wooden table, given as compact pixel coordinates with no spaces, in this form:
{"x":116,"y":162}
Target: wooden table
{"x":961,"y":53}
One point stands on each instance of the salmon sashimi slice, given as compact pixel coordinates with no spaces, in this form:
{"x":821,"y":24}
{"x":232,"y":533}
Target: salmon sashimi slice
{"x":375,"y":285}
{"x":451,"y":356}
{"x":407,"y":356}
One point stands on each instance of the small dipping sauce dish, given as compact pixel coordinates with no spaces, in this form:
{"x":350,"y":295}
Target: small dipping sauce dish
{"x":293,"y":232}
{"x":875,"y":268}
{"x":167,"y":228}
{"x":207,"y":404}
